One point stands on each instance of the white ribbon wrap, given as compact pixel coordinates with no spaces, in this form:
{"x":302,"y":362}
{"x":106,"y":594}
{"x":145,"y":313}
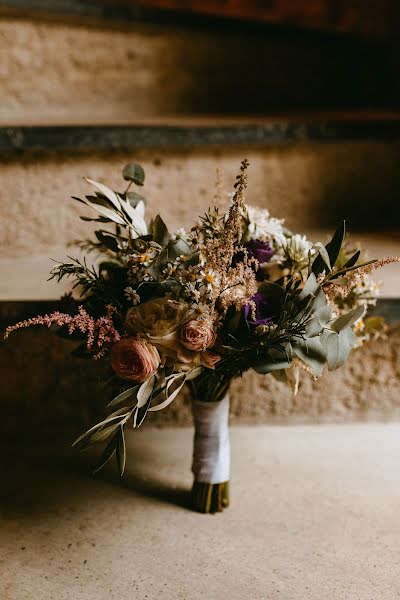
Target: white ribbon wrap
{"x":211,"y":450}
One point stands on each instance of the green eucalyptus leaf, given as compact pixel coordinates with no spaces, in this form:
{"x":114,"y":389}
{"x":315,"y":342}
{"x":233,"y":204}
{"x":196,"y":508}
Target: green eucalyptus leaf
{"x":313,"y":327}
{"x":333,"y":250}
{"x":159,"y":231}
{"x":107,"y":454}
{"x":133,"y":172}
{"x":121,"y":451}
{"x":312,"y":352}
{"x":323,"y":253}
{"x":268,"y":366}
{"x":109,"y":213}
{"x":145,"y":391}
{"x":123,"y":396}
{"x":140,"y":414}
{"x":102,"y":434}
{"x":275,"y":360}
{"x":134,"y":198}
{"x":352,"y":261}
{"x":174,"y":386}
{"x":98,"y":220}
{"x":177,"y":248}
{"x":338,"y":346}
{"x":310,"y":288}
{"x":105,"y":191}
{"x":107,"y":241}
{"x":348,"y":319}
{"x":195,"y":372}
{"x":117,"y":415}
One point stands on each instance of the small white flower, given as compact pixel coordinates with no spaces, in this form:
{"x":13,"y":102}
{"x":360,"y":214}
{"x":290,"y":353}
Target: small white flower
{"x":296,"y":249}
{"x":181,"y":259}
{"x":178,"y":234}
{"x":143,"y":259}
{"x":169,"y":270}
{"x":190,"y":274}
{"x":210,"y":279}
{"x":132,"y":295}
{"x":261,"y":226}
{"x":359,"y":326}
{"x":192,"y":292}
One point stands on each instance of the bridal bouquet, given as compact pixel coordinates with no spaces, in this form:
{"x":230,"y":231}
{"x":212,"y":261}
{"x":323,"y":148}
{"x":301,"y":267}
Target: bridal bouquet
{"x":236,"y":292}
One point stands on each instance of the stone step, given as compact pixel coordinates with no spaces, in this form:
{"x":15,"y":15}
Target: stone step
{"x":122,"y":70}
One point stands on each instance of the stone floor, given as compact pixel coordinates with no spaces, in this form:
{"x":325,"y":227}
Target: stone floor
{"x":314,"y":516}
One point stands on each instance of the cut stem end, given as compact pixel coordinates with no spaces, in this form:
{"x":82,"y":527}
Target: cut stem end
{"x":210,"y":497}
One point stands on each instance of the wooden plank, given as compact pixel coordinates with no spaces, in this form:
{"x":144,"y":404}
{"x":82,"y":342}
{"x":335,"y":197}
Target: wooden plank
{"x":360,"y":17}
{"x":355,"y":17}
{"x":103,"y":137}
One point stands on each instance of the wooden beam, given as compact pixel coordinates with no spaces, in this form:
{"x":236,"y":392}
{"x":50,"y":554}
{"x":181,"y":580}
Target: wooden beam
{"x":367,"y":18}
{"x":103,"y":137}
{"x":355,"y":17}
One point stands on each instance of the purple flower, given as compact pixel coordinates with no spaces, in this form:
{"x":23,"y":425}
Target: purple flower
{"x":262,"y":251}
{"x":263,"y":310}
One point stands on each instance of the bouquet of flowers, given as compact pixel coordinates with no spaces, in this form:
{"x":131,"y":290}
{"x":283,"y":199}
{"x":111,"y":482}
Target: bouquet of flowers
{"x":238,"y":291}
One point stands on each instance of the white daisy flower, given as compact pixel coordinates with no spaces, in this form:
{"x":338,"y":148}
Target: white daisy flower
{"x":261,"y":226}
{"x":132,"y":295}
{"x":192,"y":292}
{"x":178,"y":234}
{"x":296,"y":249}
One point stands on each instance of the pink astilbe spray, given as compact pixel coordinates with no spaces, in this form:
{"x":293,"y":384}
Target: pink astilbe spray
{"x":100,"y":333}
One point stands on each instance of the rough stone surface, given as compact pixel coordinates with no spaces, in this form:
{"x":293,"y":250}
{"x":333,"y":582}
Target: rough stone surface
{"x":54,"y":72}
{"x":313,"y":515}
{"x":45,"y":389}
{"x":310,"y":184}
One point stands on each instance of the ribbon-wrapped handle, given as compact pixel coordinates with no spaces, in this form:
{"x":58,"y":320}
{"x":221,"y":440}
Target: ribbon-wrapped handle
{"x":211,"y":449}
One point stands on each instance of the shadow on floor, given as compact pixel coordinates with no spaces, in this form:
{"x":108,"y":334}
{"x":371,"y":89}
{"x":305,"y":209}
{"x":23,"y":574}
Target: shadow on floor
{"x":36,"y":480}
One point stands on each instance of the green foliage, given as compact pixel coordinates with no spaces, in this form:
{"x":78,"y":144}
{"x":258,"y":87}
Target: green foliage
{"x":348,"y":319}
{"x":133,"y":172}
{"x":338,"y":346}
{"x":332,"y":250}
{"x":85,"y":277}
{"x":159,"y":231}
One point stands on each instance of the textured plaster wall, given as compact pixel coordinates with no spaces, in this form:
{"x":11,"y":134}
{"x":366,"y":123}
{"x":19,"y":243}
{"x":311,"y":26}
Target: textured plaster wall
{"x":45,"y":389}
{"x":63,"y":72}
{"x":312,"y":185}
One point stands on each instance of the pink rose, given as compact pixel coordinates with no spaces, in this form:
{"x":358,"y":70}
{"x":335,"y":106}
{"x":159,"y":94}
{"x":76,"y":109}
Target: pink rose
{"x":209,"y":359}
{"x":197,"y":335}
{"x":134,"y":359}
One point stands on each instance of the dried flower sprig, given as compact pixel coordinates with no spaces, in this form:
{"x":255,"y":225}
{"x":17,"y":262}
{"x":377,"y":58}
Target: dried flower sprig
{"x":100,"y":333}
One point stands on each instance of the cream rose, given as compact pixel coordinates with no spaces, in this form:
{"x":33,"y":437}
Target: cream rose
{"x":197,"y":335}
{"x":158,"y":319}
{"x":134,"y":359}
